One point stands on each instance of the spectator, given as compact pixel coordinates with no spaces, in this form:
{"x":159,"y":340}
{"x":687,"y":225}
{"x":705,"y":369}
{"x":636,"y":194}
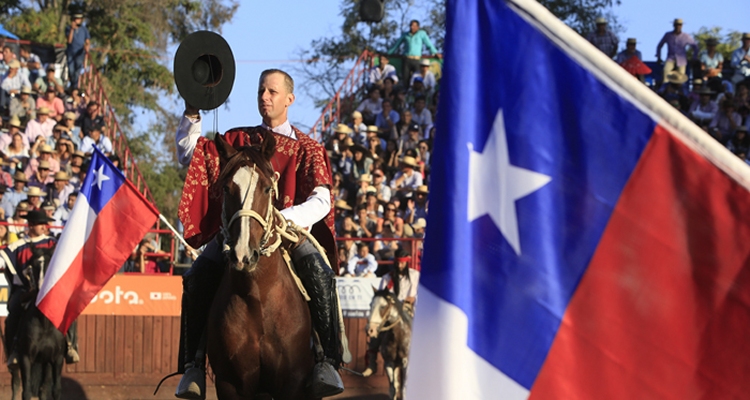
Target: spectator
{"x":91,"y":118}
{"x":424,"y":153}
{"x":49,"y":208}
{"x":16,"y":230}
{"x":740,"y":142}
{"x":386,"y":121}
{"x":74,"y":131}
{"x":741,"y":60}
{"x":604,"y":39}
{"x":49,"y":81}
{"x":96,"y":139}
{"x":51,"y":102}
{"x":62,"y":213}
{"x":14,"y":127}
{"x":75,"y":102}
{"x":711,"y":60}
{"x":361,"y":162}
{"x":8,"y":57}
{"x":375,"y":148}
{"x":41,"y":177}
{"x":629,"y":52}
{"x":371,"y":106}
{"x":676,"y":42}
{"x":60,"y":188}
{"x":338,"y":191}
{"x":404,"y":123}
{"x":35,"y":197}
{"x":335,"y":144}
{"x":31,"y":64}
{"x":346,"y":161}
{"x":45,"y":154}
{"x":378,"y":73}
{"x":416,"y":90}
{"x":359,"y":129}
{"x":64,"y":151}
{"x":422,"y":115}
{"x":340,"y":210}
{"x":704,"y":110}
{"x":416,"y":206}
{"x":374,"y":209}
{"x":414,"y":40}
{"x":366,"y":224}
{"x":391,"y":226}
{"x":57,"y":133}
{"x":382,"y":191}
{"x":78,"y":45}
{"x":5,"y":203}
{"x":428,"y":78}
{"x":363,"y":264}
{"x":348,"y":242}
{"x":407,"y":179}
{"x":388,"y":91}
{"x":11,"y":85}
{"x":17,"y":154}
{"x":41,"y":126}
{"x":411,"y":139}
{"x":75,"y":167}
{"x":726,"y":121}
{"x":23,"y":106}
{"x":364,"y":184}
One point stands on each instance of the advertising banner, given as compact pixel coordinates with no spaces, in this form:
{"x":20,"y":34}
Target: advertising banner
{"x":355,"y":295}
{"x":138,"y":295}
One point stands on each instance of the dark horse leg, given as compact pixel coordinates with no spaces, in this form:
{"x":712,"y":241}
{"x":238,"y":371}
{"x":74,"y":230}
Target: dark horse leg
{"x":26,"y":376}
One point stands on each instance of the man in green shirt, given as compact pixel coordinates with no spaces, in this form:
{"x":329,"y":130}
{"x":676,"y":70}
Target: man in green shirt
{"x":414,"y":41}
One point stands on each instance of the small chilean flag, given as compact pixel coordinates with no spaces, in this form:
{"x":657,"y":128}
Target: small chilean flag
{"x":108,"y":220}
{"x":585,"y":239}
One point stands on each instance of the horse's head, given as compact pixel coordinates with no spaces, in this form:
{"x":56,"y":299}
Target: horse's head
{"x":40,"y":258}
{"x":383,"y":309}
{"x":249,"y":185}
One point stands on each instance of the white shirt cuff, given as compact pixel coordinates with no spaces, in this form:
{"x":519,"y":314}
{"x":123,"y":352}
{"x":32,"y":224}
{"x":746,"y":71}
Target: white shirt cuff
{"x":314,"y":209}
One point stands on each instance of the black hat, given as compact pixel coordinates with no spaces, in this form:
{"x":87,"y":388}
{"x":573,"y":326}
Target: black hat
{"x":204,"y":70}
{"x":37,"y":217}
{"x":414,"y":126}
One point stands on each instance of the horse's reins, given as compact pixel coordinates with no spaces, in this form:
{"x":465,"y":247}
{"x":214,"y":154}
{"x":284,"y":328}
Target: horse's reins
{"x":398,"y":320}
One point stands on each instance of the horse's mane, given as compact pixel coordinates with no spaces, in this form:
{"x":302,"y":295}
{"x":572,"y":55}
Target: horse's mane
{"x":245,"y":155}
{"x":388,"y":295}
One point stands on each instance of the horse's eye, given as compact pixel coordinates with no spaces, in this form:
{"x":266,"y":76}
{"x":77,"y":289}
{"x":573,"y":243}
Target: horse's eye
{"x":268,"y":189}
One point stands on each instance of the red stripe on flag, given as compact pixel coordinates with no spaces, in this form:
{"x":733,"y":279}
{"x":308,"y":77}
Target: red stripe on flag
{"x":663,"y":310}
{"x":119,"y":227}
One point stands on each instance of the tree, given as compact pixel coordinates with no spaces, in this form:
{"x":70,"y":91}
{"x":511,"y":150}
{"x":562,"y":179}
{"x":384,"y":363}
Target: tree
{"x":129,"y":39}
{"x":728,"y":42}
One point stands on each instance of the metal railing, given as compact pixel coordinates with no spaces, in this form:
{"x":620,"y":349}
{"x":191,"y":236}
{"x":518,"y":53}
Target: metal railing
{"x":91,"y":83}
{"x":345,"y":97}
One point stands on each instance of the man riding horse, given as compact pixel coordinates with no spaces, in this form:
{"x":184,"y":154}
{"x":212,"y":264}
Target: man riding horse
{"x":304,"y":198}
{"x":15,"y":261}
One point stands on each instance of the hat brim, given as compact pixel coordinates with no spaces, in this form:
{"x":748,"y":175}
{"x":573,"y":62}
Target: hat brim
{"x":359,"y":147}
{"x":204,"y":70}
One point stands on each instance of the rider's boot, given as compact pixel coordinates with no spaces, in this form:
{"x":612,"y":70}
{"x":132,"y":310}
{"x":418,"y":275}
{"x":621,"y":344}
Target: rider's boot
{"x":319,"y":281}
{"x":13,"y":355}
{"x":72,"y":357}
{"x":199,"y":287}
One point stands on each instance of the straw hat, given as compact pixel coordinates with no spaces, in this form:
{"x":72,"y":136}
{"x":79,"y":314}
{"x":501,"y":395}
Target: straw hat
{"x":62,"y":176}
{"x":14,"y":64}
{"x":44,"y":164}
{"x":79,"y":153}
{"x":421,"y":223}
{"x":631,"y":41}
{"x":42,"y":110}
{"x":678,"y":21}
{"x":356,"y":114}
{"x":601,"y":21}
{"x":423,"y":189}
{"x":70,"y":115}
{"x":342,"y":205}
{"x":35,"y":191}
{"x":410,"y":161}
{"x":19,"y":176}
{"x":15,"y":121}
{"x":343,"y":128}
{"x":365,"y":178}
{"x":46,"y":149}
{"x":372,"y":128}
{"x":26,"y":90}
{"x":676,"y":77}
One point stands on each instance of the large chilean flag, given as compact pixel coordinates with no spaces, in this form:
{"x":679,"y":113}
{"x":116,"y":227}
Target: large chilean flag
{"x":108,"y":220}
{"x":585,"y":239}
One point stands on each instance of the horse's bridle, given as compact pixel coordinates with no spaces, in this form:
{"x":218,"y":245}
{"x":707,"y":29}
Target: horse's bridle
{"x":266,"y":222}
{"x":398,"y":320}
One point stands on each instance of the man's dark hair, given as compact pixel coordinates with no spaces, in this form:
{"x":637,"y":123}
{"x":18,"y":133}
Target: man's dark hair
{"x":26,"y":47}
{"x":386,"y":101}
{"x":288,"y":81}
{"x":420,"y":97}
{"x":361,"y":245}
{"x":92,"y":103}
{"x":361,"y":207}
{"x":413,"y":21}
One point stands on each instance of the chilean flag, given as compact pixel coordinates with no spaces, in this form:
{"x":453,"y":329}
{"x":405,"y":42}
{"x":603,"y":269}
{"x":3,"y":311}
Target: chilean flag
{"x":108,"y":220}
{"x":586,"y":240}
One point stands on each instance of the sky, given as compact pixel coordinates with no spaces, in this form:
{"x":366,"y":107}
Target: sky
{"x":266,"y":35}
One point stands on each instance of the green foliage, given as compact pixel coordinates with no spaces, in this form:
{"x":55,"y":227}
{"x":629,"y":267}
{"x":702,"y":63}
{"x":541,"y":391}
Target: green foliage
{"x":728,"y":42}
{"x":581,"y":15}
{"x":130,"y":40}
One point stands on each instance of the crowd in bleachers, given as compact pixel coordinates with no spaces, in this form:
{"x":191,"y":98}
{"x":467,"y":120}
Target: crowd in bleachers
{"x":381,"y":162}
{"x":719,"y":100}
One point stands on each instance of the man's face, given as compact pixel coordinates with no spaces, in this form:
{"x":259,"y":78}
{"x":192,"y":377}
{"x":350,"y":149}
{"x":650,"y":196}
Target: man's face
{"x":402,"y":265}
{"x":92,"y":109}
{"x":43,"y":117}
{"x":51,"y":75}
{"x":362,"y":214}
{"x":12,"y":72}
{"x":414,"y":27}
{"x":60,"y":185}
{"x":71,"y":201}
{"x":383,"y":61}
{"x":44,"y":155}
{"x":419,"y":105}
{"x":705,"y":98}
{"x":37,"y":229}
{"x":601,"y":28}
{"x":631,"y":47}
{"x":7,"y":54}
{"x":35,"y":201}
{"x":76,"y":161}
{"x":746,"y":43}
{"x":50,"y":95}
{"x":78,"y":21}
{"x":273,"y":97}
{"x":378,"y":177}
{"x":413,"y":133}
{"x":43,"y":172}
{"x":387,"y":108}
{"x":678,"y":28}
{"x":363,"y":251}
{"x":18,"y":185}
{"x":423,"y":69}
{"x":95,"y":134}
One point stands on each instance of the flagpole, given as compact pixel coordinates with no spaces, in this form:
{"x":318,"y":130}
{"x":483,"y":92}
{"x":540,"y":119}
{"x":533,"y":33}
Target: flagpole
{"x":179,"y":236}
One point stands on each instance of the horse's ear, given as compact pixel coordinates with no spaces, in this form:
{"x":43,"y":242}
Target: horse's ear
{"x":268,"y":148}
{"x":226,"y":151}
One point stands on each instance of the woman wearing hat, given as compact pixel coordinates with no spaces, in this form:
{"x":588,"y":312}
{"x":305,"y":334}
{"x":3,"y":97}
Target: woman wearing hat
{"x":45,"y":154}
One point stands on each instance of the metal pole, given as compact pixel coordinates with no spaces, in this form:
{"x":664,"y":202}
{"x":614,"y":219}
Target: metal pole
{"x":177,"y":234}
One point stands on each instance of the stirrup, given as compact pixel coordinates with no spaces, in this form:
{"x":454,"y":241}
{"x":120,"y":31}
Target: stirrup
{"x":192,"y":384}
{"x":326,"y":381}
{"x":72,"y":356}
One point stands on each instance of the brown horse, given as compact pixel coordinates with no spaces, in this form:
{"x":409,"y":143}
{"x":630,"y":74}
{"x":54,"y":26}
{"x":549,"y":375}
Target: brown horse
{"x":259,"y":327}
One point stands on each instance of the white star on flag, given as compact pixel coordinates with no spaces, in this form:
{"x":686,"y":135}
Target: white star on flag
{"x":495,"y":185}
{"x":99,"y":177}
